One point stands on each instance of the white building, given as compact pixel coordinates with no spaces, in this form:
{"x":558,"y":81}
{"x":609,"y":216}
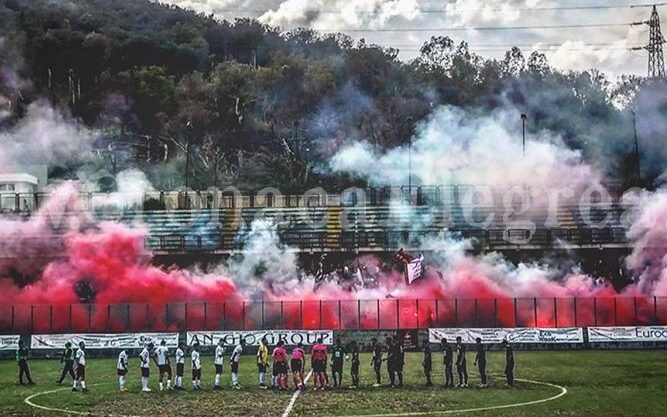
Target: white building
{"x":17,"y":191}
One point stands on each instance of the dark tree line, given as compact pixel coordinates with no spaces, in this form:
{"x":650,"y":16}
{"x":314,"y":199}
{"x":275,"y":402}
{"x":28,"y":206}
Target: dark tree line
{"x":254,"y":106}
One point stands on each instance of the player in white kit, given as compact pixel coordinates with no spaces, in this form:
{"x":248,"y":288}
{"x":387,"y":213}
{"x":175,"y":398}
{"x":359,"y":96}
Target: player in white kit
{"x":80,"y":361}
{"x":180,"y":366}
{"x":234,"y":361}
{"x":145,"y":357}
{"x":121,"y":369}
{"x":196,"y":368}
{"x":163,"y":364}
{"x":218,"y":360}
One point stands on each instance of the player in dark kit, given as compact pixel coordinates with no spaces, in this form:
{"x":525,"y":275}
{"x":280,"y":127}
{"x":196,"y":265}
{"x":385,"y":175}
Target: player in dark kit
{"x":480,"y":361}
{"x":354,"y":368}
{"x":399,"y":355}
{"x":461,"y":365}
{"x":509,"y":363}
{"x":395,"y":361}
{"x":337,"y":359}
{"x":427,"y":363}
{"x":22,"y":362}
{"x":376,"y":361}
{"x":67,"y":358}
{"x":447,"y":360}
{"x":391,"y":363}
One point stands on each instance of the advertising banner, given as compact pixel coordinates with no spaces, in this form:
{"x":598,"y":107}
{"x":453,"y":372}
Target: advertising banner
{"x":9,"y":342}
{"x":103,"y":341}
{"x":628,"y":334}
{"x":253,"y":337}
{"x":513,"y":335}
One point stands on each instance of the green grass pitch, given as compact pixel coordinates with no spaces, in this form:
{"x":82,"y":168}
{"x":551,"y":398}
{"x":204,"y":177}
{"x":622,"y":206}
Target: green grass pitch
{"x":598,"y":383}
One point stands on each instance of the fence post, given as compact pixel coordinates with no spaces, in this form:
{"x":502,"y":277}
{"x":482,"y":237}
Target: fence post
{"x":378,"y":312}
{"x":263,"y":325}
{"x":417,"y":307}
{"x":243,"y":314}
{"x":456,"y":312}
{"x":282,"y":314}
{"x":555,"y":313}
{"x":495,"y":312}
{"x":108,"y":315}
{"x":595,"y":311}
{"x":224,"y":316}
{"x":516,"y":314}
{"x":398,"y":314}
{"x":576,"y":318}
{"x":358,"y":314}
{"x":535,"y":311}
{"x":340,"y":316}
{"x":186,"y":317}
{"x":634,"y":303}
{"x":655,"y":310}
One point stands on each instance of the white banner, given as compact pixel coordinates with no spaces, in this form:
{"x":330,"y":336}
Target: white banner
{"x":253,"y":337}
{"x":414,"y":269}
{"x":513,"y":335}
{"x":9,"y":342}
{"x":628,"y":334}
{"x":103,"y":341}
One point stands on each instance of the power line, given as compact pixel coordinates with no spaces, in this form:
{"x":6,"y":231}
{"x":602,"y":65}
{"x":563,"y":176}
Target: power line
{"x":445,"y":10}
{"x":581,"y":49}
{"x":479,"y":28}
{"x":536,"y":44}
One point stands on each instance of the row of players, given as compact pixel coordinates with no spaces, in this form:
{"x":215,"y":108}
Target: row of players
{"x":391,"y":353}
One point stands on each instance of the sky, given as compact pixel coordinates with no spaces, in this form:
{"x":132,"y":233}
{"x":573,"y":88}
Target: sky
{"x":393,"y":23}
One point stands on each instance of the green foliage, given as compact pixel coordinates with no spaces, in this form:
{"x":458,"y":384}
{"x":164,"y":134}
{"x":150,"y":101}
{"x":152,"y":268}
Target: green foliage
{"x":242,"y":91}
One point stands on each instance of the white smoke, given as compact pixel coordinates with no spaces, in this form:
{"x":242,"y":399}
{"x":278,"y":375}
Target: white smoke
{"x":648,"y":259}
{"x":45,"y":136}
{"x":455,"y":146}
{"x":265,"y":263}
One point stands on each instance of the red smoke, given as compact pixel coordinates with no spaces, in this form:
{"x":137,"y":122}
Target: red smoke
{"x":108,"y":262}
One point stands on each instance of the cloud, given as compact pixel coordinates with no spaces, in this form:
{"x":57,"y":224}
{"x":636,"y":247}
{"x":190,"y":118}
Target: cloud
{"x":473,"y":12}
{"x":340,"y":14}
{"x":579,"y":56}
{"x":393,"y":14}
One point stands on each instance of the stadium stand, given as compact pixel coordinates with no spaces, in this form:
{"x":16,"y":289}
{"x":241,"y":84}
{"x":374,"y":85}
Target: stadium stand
{"x":219,"y":222}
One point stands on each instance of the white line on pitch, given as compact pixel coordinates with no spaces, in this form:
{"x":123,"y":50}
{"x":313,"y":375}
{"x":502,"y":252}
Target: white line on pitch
{"x":296,"y":394}
{"x":562,"y":392}
{"x":28,"y":400}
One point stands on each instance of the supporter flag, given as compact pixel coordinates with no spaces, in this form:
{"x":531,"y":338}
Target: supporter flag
{"x":412,"y":267}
